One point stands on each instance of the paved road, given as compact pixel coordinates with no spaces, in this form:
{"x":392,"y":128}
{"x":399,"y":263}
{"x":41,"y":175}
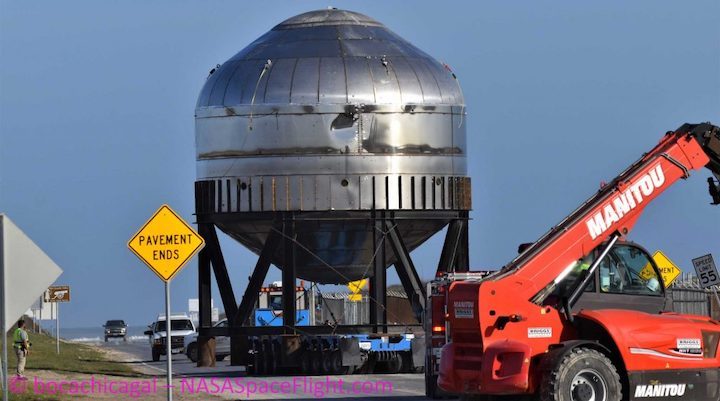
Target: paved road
{"x":141,"y":358}
{"x":229,"y":382}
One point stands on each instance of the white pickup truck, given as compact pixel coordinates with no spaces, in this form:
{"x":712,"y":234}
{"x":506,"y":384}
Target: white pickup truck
{"x":180,"y":326}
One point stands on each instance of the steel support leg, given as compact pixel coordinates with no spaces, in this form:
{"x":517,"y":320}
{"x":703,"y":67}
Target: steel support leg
{"x":289,"y":278}
{"x":219,"y":268}
{"x":454,"y":252}
{"x":462,"y":257}
{"x":204,"y":295}
{"x":378,"y":282}
{"x":239,"y":343}
{"x":406,"y":272}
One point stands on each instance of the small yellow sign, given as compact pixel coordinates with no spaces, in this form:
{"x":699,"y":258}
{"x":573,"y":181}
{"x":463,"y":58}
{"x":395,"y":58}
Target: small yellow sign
{"x":668,"y":269}
{"x":357,"y":286}
{"x":165,"y":243}
{"x":355,"y":297}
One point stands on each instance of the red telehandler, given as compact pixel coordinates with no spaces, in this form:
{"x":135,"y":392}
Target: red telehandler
{"x":577,"y":316}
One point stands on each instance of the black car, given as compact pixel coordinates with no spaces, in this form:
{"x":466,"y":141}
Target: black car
{"x":115,"y":328}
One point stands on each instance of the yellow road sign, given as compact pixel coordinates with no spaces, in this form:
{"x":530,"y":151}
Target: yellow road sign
{"x":165,"y":243}
{"x":355,"y":297}
{"x":668,"y":269}
{"x":357,"y":286}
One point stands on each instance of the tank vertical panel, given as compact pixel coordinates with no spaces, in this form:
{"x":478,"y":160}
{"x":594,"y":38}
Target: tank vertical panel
{"x":244,"y":88}
{"x":333,"y":88}
{"x":393,"y":192}
{"x":445,"y":192}
{"x":425,"y":192}
{"x":359,"y":83}
{"x":220,"y":84}
{"x":294,"y":192}
{"x":387,"y":90}
{"x":343,"y":190}
{"x":323,"y":200}
{"x":257,"y":194}
{"x":281,"y":186}
{"x":411,"y":91}
{"x":243,"y":194}
{"x":459,"y":136}
{"x":305,"y":81}
{"x":450,"y":88}
{"x":231,"y":196}
{"x":408,"y":193}
{"x":366,"y":192}
{"x":279,"y":82}
{"x":308,"y":196}
{"x":430,"y":90}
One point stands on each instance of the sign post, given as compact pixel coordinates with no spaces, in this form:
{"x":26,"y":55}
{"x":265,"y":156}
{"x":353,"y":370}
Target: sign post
{"x":165,"y":243}
{"x":57,"y":294}
{"x":707,"y":273}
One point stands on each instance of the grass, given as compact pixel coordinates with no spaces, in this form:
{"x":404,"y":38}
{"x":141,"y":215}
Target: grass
{"x":73,"y":358}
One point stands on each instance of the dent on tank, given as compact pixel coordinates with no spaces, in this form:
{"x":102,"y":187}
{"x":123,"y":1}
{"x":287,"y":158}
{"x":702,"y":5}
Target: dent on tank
{"x":333,"y":115}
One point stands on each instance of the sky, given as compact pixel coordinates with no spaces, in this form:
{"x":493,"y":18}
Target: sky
{"x":97,"y":101}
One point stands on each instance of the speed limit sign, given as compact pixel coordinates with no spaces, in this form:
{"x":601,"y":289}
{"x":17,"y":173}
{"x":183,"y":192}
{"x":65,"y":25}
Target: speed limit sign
{"x":706,"y":271}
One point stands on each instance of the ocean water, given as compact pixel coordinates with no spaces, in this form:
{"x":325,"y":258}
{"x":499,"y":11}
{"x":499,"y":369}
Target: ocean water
{"x":96,"y":334}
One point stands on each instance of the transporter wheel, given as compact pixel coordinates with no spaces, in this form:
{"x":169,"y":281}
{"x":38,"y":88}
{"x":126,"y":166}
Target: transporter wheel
{"x":260,"y":368}
{"x":315,"y":363}
{"x":106,"y":339}
{"x":266,"y":358}
{"x":274,"y":358}
{"x":124,"y":339}
{"x":250,"y":367}
{"x":582,"y":374}
{"x":155,"y":354}
{"x":336,"y":367}
{"x":325,"y":363}
{"x":305,"y":362}
{"x":394,"y":364}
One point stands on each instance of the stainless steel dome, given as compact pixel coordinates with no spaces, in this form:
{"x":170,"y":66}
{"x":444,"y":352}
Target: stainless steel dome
{"x":332,"y":112}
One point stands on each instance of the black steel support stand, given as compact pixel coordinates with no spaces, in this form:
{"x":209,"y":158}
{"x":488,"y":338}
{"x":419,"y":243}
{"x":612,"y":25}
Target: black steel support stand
{"x":207,"y":231}
{"x":204,"y":297}
{"x":378,"y":282}
{"x":289,"y":277}
{"x":239,"y":343}
{"x":281,"y":237}
{"x":406,"y":272}
{"x":454,"y":256}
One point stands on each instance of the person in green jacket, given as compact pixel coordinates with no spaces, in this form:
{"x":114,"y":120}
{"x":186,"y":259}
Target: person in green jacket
{"x":21,"y":344}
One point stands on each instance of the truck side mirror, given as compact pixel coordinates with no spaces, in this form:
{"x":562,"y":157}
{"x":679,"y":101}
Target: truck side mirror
{"x":148,"y":332}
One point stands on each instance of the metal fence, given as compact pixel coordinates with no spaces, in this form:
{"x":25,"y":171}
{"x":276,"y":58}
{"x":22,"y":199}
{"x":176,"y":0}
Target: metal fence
{"x":337,"y":307}
{"x":687,"y":296}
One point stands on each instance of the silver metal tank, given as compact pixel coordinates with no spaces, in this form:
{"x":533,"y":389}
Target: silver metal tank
{"x":331,"y":115}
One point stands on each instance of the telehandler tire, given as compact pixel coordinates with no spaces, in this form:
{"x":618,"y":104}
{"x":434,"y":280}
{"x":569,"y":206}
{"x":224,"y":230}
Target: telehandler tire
{"x":581,"y":374}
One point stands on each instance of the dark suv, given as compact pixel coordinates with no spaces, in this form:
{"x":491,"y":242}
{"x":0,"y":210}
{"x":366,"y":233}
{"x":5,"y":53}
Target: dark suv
{"x":115,"y":328}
